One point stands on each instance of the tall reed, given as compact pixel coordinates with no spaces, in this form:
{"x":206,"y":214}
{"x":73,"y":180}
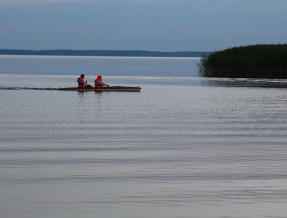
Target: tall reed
{"x":254,"y":61}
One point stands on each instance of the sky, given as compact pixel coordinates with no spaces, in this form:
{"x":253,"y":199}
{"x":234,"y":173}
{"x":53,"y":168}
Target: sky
{"x":155,"y":25}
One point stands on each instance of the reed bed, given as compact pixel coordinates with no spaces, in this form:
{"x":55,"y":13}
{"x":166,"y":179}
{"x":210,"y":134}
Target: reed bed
{"x":254,"y":61}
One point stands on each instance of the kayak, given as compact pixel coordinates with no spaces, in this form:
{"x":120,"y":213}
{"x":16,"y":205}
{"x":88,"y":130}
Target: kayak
{"x":106,"y":88}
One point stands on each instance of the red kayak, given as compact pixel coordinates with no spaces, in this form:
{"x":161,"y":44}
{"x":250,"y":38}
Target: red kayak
{"x":106,"y":88}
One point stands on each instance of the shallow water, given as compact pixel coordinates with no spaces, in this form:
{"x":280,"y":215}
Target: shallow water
{"x":182,"y":147}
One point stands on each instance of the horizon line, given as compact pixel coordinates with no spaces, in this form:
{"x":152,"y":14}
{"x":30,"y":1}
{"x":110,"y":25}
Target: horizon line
{"x":123,"y":53}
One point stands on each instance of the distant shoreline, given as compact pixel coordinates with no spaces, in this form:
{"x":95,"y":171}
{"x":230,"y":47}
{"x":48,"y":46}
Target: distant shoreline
{"x":105,"y":53}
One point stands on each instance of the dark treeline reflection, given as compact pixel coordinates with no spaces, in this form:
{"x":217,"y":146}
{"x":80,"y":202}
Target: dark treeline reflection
{"x":245,"y":82}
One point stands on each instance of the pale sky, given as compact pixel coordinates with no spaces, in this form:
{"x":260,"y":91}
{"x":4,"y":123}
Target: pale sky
{"x":157,"y":25}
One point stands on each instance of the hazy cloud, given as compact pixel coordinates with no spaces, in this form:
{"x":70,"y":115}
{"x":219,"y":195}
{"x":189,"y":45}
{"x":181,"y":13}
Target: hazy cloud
{"x":141,"y":24}
{"x":59,"y":1}
{"x":42,"y":1}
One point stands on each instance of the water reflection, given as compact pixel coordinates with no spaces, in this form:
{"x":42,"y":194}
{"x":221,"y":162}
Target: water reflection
{"x":244,"y":82}
{"x":88,"y":106}
{"x":98,"y":100}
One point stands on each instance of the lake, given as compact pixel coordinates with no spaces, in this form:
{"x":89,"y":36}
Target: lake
{"x":184,"y":146}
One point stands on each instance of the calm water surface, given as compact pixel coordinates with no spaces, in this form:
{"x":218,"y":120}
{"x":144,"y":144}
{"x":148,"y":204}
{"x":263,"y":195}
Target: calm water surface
{"x":182,"y":147}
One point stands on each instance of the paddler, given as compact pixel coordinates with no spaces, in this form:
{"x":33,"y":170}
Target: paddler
{"x":99,"y":82}
{"x":81,"y":81}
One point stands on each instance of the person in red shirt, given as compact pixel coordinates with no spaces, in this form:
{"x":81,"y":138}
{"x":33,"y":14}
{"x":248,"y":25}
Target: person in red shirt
{"x":99,"y":82}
